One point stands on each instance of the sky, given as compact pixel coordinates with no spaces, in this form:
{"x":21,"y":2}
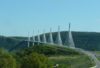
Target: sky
{"x":23,"y":17}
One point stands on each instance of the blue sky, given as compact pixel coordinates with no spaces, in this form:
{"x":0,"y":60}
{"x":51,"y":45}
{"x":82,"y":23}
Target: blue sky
{"x":18,"y":17}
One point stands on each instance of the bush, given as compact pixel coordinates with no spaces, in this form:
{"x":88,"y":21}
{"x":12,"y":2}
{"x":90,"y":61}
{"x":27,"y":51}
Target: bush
{"x":35,"y":60}
{"x":6,"y":60}
{"x":50,"y":50}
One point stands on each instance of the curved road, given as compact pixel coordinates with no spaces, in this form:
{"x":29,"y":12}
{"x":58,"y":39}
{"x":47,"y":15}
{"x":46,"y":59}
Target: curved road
{"x":92,"y":56}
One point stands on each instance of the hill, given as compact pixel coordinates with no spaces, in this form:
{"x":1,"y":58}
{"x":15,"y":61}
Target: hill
{"x":84,"y":40}
{"x":64,"y":57}
{"x":8,"y":42}
{"x":87,"y":40}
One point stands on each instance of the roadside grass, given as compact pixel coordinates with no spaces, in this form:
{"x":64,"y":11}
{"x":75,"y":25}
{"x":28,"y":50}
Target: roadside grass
{"x":76,"y":61}
{"x":98,"y":57}
{"x":97,"y":54}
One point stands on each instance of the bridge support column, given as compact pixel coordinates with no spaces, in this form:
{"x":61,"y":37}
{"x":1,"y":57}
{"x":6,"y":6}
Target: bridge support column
{"x":38,"y":37}
{"x":44,"y":37}
{"x":59,"y":41}
{"x":70,"y":38}
{"x":33,"y":38}
{"x":28,"y":43}
{"x":50,"y":36}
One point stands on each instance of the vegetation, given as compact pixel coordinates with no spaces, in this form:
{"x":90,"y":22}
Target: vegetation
{"x":49,"y":50}
{"x":44,"y":56}
{"x":8,"y":42}
{"x":64,"y":57}
{"x":6,"y":60}
{"x":35,"y":60}
{"x":97,"y":54}
{"x":76,"y":61}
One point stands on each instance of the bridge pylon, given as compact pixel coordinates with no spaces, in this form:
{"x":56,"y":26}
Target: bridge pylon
{"x":33,"y":38}
{"x":38,"y":38}
{"x":70,"y":38}
{"x":50,"y":37}
{"x":44,"y":37}
{"x":59,"y":40}
{"x":28,"y":42}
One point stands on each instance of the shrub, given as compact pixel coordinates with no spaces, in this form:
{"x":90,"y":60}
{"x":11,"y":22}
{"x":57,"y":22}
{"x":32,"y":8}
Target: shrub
{"x":35,"y":60}
{"x":6,"y":60}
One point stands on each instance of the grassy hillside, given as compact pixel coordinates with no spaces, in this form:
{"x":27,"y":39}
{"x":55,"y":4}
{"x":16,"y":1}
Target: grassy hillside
{"x":49,"y":50}
{"x":76,"y":61}
{"x":64,"y":57}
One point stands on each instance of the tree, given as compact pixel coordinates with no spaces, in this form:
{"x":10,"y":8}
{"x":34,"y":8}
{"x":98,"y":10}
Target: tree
{"x":6,"y":60}
{"x":35,"y":60}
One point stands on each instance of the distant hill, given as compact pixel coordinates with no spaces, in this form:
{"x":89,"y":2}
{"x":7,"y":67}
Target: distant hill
{"x":8,"y":42}
{"x":85,"y":40}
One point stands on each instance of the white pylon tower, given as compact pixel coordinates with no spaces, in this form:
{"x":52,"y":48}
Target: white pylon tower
{"x":33,"y":38}
{"x":59,"y":41}
{"x":28,"y":42}
{"x":38,"y":38}
{"x":44,"y":37}
{"x":51,"y":38}
{"x":70,"y":38}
